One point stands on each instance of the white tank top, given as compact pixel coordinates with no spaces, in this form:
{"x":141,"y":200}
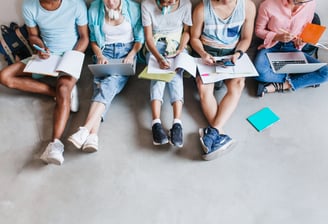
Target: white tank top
{"x":121,"y":33}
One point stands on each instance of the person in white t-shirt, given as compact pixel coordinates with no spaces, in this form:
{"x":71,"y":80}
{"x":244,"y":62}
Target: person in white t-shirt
{"x":166,"y":25}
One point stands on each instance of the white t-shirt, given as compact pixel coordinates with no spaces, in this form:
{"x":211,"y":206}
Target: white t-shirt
{"x":170,"y":23}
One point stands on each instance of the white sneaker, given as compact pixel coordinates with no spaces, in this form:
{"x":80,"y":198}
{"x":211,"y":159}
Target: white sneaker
{"x":79,"y":137}
{"x":53,"y":153}
{"x":91,"y":144}
{"x":74,"y":100}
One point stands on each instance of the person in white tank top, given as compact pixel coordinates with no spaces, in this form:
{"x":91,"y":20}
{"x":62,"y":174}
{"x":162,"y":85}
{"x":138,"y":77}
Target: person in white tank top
{"x":115,"y":32}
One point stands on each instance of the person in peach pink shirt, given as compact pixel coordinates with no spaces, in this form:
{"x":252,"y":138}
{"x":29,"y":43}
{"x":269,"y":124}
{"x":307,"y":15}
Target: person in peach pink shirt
{"x":278,"y":24}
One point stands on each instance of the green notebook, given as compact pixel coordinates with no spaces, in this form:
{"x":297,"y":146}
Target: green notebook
{"x":166,"y":77}
{"x":263,"y":118}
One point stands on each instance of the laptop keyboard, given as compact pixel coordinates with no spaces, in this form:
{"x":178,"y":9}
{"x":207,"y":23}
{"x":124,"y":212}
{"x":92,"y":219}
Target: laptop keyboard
{"x":279,"y":64}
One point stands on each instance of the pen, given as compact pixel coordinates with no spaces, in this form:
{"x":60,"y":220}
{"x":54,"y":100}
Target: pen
{"x":285,"y":31}
{"x":39,"y":48}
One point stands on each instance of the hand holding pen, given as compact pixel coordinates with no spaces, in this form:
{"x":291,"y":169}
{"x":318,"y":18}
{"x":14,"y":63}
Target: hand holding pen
{"x":287,"y":36}
{"x":42,"y":52}
{"x":164,"y":63}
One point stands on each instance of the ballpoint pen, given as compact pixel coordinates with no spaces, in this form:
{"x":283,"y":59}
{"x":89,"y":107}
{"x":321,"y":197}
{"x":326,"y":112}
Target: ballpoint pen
{"x":39,"y":48}
{"x":285,"y":31}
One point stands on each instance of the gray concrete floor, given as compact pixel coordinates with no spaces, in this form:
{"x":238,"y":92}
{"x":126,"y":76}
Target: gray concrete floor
{"x":276,"y":176}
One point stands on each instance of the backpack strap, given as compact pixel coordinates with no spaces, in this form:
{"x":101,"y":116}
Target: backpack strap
{"x":22,"y":38}
{"x":7,"y":49}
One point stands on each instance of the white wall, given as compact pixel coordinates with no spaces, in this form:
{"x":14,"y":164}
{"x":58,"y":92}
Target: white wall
{"x":11,"y":11}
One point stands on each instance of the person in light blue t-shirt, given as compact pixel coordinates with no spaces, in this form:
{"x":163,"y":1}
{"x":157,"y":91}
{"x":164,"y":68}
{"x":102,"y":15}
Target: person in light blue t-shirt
{"x":56,"y":26}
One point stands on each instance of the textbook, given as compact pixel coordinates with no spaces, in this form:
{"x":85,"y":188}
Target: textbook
{"x":70,"y":62}
{"x":263,"y":119}
{"x":183,"y":60}
{"x":214,"y":73}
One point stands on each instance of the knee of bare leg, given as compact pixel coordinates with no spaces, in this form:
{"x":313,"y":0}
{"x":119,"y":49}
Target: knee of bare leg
{"x":238,"y":84}
{"x":5,"y":79}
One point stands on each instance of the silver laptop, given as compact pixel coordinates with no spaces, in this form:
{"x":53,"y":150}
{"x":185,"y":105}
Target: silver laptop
{"x":114,"y":67}
{"x":291,"y":62}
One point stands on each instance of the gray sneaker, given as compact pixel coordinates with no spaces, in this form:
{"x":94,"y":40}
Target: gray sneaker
{"x":53,"y":153}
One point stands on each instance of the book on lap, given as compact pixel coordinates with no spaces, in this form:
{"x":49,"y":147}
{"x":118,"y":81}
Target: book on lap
{"x":183,"y":60}
{"x":70,"y":62}
{"x":211,"y":73}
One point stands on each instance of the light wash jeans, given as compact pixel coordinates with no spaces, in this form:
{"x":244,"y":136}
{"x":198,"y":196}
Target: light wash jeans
{"x":297,"y":81}
{"x":175,"y":86}
{"x":107,"y":87}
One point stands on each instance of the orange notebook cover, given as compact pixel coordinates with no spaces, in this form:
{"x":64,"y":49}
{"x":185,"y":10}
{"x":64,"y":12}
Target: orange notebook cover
{"x":312,"y":33}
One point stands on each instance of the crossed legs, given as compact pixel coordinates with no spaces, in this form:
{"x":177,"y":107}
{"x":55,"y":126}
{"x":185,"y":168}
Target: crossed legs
{"x":217,"y":114}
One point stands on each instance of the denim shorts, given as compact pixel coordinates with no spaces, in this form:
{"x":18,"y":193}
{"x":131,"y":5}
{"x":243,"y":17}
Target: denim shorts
{"x":107,"y":87}
{"x":175,"y":86}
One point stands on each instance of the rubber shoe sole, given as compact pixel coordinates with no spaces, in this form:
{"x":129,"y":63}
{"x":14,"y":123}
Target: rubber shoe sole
{"x":75,"y":143}
{"x":201,"y":134}
{"x":220,"y":152}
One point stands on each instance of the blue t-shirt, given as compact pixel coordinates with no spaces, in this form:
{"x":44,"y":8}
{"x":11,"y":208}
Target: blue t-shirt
{"x":58,"y":28}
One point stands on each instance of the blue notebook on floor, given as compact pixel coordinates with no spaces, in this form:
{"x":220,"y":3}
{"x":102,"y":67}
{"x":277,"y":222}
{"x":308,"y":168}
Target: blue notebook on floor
{"x":263,"y":119}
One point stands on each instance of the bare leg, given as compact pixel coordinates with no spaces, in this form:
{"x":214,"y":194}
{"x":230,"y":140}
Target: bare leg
{"x":65,"y":85}
{"x":218,"y":114}
{"x":229,"y":102}
{"x":156,"y":109}
{"x":207,"y":100}
{"x":177,"y":109}
{"x":93,"y":120}
{"x":14,"y":77}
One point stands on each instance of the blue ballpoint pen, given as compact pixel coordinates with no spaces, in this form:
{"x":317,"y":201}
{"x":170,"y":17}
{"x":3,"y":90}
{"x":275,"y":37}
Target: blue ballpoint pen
{"x":39,"y":48}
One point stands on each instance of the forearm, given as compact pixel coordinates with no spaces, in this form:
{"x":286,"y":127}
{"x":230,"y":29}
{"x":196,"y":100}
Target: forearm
{"x":96,"y":49}
{"x":82,"y":44}
{"x":136,"y":47}
{"x":184,"y":40}
{"x":197,"y":46}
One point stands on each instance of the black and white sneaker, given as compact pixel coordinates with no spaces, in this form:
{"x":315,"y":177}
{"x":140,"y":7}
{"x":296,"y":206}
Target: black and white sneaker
{"x":176,"y":135}
{"x":159,"y":135}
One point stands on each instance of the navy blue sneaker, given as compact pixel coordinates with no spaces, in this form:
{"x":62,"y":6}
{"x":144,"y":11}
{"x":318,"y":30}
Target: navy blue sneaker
{"x":207,"y":137}
{"x":176,"y":136}
{"x":219,"y":147}
{"x":159,"y":135}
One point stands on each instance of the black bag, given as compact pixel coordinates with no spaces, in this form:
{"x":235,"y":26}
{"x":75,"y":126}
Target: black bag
{"x":14,"y":43}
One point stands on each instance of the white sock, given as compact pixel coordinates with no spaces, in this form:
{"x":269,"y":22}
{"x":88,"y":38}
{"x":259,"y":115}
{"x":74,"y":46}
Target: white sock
{"x":156,"y":121}
{"x":177,"y":121}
